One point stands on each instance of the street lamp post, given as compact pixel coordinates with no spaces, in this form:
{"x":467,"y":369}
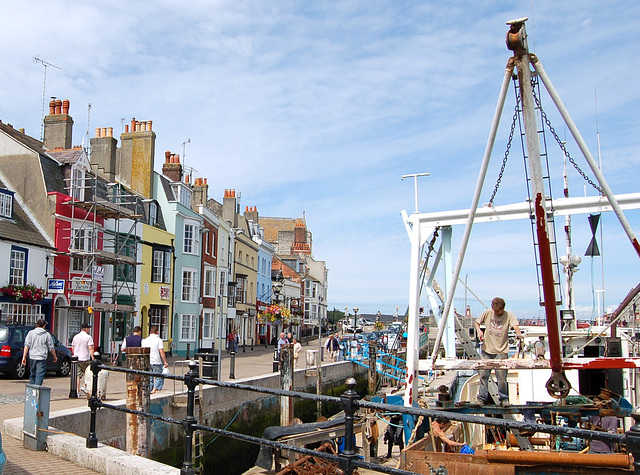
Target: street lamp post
{"x":355,"y":325}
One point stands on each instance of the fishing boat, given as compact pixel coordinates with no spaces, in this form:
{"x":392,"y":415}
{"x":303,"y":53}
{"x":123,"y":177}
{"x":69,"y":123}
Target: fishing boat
{"x":563,"y":374}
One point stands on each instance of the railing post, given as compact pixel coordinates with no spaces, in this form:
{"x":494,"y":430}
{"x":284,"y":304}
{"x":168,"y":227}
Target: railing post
{"x":92,"y":440}
{"x":73,"y":382}
{"x":633,"y":440}
{"x":187,"y":465}
{"x":348,"y":455}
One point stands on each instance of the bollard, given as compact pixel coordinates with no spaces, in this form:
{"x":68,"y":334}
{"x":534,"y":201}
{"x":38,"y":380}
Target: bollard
{"x":232,"y":365}
{"x":190,"y":420}
{"x":73,"y":374}
{"x":633,"y":440}
{"x":276,"y":361}
{"x":188,"y":350}
{"x":348,"y":455}
{"x":92,"y":440}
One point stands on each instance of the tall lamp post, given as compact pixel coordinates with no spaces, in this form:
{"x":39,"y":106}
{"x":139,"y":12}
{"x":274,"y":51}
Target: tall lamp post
{"x":355,"y":322}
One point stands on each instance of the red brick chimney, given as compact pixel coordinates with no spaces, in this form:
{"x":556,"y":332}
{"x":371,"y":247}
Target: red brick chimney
{"x":171,"y":168}
{"x":58,"y":126}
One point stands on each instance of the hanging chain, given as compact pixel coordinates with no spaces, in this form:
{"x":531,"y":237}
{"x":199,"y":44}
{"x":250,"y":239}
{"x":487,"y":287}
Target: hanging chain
{"x":506,"y":153}
{"x":561,"y":144}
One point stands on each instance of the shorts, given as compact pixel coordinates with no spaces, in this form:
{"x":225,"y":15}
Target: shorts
{"x":82,"y":367}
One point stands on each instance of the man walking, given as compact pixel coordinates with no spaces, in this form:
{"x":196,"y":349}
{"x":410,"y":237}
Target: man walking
{"x":332,"y":346}
{"x":37,"y":344}
{"x":495,"y":345}
{"x":157,"y":357}
{"x":82,"y":347}
{"x":133,"y":341}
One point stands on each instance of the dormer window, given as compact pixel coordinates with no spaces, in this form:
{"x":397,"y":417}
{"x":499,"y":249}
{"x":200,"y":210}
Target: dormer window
{"x":77,"y":183}
{"x":182,"y":194}
{"x":153,"y":213}
{"x":6,"y":204}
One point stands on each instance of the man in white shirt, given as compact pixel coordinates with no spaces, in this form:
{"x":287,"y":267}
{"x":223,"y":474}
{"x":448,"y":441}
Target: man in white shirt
{"x":157,"y":357}
{"x":82,"y":347}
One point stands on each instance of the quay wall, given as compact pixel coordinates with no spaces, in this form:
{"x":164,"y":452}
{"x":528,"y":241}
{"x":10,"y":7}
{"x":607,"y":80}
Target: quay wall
{"x":214,"y":409}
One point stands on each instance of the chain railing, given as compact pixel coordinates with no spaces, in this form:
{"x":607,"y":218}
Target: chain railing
{"x":350,"y":401}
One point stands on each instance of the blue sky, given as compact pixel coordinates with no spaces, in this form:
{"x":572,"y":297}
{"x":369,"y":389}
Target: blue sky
{"x":320,"y":108}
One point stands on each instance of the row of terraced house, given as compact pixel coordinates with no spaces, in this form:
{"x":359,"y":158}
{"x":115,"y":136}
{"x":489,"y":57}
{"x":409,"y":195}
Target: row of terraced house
{"x":96,"y":235}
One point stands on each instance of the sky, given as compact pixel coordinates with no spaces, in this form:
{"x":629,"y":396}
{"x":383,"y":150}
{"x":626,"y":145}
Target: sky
{"x":318,"y":109}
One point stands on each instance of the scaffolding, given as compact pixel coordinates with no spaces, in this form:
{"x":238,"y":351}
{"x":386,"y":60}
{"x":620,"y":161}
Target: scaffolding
{"x":103,"y":247}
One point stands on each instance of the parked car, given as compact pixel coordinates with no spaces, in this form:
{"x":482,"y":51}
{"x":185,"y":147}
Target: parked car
{"x":11,"y":348}
{"x":3,"y":457}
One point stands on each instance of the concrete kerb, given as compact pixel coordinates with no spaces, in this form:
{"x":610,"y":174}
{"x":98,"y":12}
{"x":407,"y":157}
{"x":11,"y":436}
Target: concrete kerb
{"x":103,"y":459}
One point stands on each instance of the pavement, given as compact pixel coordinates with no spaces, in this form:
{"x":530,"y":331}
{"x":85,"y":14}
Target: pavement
{"x":249,"y":362}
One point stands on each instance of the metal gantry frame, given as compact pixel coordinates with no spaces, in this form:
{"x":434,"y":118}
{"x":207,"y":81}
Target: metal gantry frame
{"x":420,"y":226}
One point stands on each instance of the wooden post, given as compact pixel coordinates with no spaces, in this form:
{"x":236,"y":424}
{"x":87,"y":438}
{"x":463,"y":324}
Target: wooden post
{"x":373,"y":370}
{"x":138,"y":429}
{"x":286,"y":383}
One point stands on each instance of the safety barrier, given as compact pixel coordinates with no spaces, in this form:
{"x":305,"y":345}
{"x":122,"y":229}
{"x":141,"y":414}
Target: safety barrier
{"x":348,"y":460}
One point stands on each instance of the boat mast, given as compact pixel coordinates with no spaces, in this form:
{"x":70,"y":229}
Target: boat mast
{"x":517,"y":42}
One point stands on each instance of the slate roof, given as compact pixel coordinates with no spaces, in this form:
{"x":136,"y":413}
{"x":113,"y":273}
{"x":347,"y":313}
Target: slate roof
{"x":67,"y":157}
{"x":21,"y":229}
{"x":23,"y":138}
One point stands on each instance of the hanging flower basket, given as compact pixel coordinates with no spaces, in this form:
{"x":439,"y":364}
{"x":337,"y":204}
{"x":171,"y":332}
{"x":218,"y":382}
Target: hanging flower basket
{"x":25,"y":293}
{"x":275,"y":314}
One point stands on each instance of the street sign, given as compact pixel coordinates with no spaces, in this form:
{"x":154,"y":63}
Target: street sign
{"x":55,"y":286}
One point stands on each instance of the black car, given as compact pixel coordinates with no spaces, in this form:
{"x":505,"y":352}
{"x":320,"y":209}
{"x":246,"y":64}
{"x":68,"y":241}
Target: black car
{"x":11,"y":348}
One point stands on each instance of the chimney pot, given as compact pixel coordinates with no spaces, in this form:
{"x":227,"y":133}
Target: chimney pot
{"x":205,"y":181}
{"x":126,"y":129}
{"x":97,"y":131}
{"x":65,"y":107}
{"x":149,"y":124}
{"x":103,"y":132}
{"x":52,"y":106}
{"x":133,"y":124}
{"x":233,"y":193}
{"x":109,"y":131}
{"x":187,"y":179}
{"x":137,"y":126}
{"x":167,"y":156}
{"x":177,"y":158}
{"x":58,"y":106}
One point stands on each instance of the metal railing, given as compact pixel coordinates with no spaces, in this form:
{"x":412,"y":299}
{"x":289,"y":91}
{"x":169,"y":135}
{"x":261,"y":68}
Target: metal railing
{"x":348,"y":460}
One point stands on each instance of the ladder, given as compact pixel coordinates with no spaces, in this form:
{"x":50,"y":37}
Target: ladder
{"x":198,"y":451}
{"x":523,"y":442}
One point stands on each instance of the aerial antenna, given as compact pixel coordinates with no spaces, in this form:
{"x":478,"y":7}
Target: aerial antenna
{"x":88,"y":121}
{"x":46,"y":64}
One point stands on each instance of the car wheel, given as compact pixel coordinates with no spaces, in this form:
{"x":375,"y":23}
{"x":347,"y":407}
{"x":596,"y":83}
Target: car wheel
{"x":65,"y":368}
{"x":20,"y":371}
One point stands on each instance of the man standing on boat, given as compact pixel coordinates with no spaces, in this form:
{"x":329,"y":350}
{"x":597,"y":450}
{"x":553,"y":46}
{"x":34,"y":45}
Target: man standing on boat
{"x":495,"y":345}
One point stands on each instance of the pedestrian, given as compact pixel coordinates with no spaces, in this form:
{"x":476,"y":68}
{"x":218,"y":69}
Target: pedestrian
{"x":495,"y":345}
{"x":37,"y":345}
{"x":157,"y":357}
{"x":82,"y":347}
{"x":236,"y":341}
{"x":394,"y":434}
{"x":282,"y":341}
{"x":230,"y":340}
{"x":135,"y":340}
{"x":332,"y":346}
{"x":297,"y":347}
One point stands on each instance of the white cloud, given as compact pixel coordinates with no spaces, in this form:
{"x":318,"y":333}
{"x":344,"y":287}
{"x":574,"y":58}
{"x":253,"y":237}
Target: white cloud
{"x":322,"y":107}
